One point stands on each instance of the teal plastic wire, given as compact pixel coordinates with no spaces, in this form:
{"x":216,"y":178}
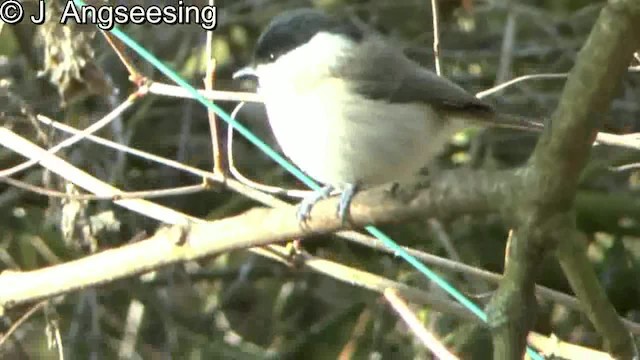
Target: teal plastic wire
{"x":398,"y":250}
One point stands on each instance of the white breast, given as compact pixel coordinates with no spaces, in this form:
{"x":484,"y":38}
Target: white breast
{"x":337,"y":137}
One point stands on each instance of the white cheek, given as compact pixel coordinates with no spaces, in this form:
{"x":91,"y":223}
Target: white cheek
{"x":304,"y":66}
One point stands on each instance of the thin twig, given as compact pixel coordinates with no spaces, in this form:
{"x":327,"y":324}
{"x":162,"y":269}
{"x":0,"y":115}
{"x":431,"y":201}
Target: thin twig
{"x":547,"y":76}
{"x":209,"y":80}
{"x":82,"y":179}
{"x":135,"y":315}
{"x":75,"y":138}
{"x":44,"y":250}
{"x":25,"y":108}
{"x":412,"y":321}
{"x":495,"y":89}
{"x":177,"y":91}
{"x":436,"y":36}
{"x":625,"y":167}
{"x":552,"y":347}
{"x":20,"y":321}
{"x":444,"y":239}
{"x":144,"y":255}
{"x":349,"y":349}
{"x":172,"y":217}
{"x":631,"y":141}
{"x":230,"y":183}
{"x":134,"y":75}
{"x":352,"y":236}
{"x":546,"y":293}
{"x":506,"y":53}
{"x":146,"y":194}
{"x":274,"y":190}
{"x":53,"y":331}
{"x":129,"y":150}
{"x":161,"y":250}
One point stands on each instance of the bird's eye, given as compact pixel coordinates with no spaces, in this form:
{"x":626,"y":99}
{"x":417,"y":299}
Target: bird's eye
{"x":272,"y":56}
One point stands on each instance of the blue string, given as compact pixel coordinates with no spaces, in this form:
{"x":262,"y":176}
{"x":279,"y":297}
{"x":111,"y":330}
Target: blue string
{"x":398,"y":250}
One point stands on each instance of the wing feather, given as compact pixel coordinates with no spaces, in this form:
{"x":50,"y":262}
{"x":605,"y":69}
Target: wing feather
{"x":385,"y":73}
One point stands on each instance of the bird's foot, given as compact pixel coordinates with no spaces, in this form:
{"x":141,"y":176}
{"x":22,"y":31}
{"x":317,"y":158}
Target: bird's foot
{"x":345,"y":201}
{"x":304,"y":209}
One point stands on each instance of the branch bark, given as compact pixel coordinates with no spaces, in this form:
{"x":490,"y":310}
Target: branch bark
{"x":542,"y":195}
{"x":453,"y":193}
{"x":550,"y":181}
{"x":572,"y":254}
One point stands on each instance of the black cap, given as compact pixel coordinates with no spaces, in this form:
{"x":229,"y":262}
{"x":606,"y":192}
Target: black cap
{"x":296,"y":27}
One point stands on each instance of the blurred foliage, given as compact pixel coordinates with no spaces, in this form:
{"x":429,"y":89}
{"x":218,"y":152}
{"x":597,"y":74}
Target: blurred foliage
{"x":238,"y":306}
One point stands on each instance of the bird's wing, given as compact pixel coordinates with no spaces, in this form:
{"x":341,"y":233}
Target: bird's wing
{"x":385,"y":73}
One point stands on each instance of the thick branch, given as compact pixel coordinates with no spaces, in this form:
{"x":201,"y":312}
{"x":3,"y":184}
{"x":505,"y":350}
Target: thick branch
{"x":572,"y":254}
{"x":451,"y":194}
{"x":601,"y":64}
{"x":257,"y":227}
{"x":552,"y":177}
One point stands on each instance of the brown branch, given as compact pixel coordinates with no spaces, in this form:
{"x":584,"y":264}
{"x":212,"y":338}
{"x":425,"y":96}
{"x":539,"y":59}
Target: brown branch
{"x":551,"y":179}
{"x":20,"y":321}
{"x":452,"y":187}
{"x":453,"y":193}
{"x":242,"y":231}
{"x":553,"y":348}
{"x":410,"y":318}
{"x":354,"y":236}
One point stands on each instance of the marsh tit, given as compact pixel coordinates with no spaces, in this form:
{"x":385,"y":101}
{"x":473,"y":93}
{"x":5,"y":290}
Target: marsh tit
{"x":350,"y":109}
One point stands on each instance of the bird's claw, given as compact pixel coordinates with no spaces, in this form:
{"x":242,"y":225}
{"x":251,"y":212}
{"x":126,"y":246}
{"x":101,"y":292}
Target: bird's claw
{"x":345,"y":202}
{"x":304,"y":209}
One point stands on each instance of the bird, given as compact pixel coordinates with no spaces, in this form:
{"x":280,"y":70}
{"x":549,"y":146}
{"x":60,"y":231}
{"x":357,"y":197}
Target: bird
{"x":351,"y":110}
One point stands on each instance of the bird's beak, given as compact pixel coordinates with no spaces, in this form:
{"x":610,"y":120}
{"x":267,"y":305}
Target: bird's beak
{"x":244,"y":72}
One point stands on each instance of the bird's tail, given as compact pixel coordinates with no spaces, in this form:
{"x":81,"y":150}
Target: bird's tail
{"x":490,"y":118}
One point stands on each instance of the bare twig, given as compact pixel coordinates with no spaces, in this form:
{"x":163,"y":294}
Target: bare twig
{"x":20,"y":321}
{"x":495,"y":89}
{"x":146,"y":194}
{"x":177,"y":91}
{"x":552,"y":347}
{"x":412,"y":321}
{"x":506,"y":52}
{"x":135,"y":76}
{"x":209,"y":79}
{"x":230,"y":183}
{"x":75,"y":138}
{"x":353,"y":236}
{"x":572,"y":254}
{"x":133,"y":323}
{"x":257,"y":227}
{"x":81,"y":178}
{"x":436,"y":36}
{"x":548,"y":76}
{"x":349,"y":349}
{"x":451,"y":265}
{"x":53,"y":331}
{"x":274,"y":190}
{"x":631,"y":141}
{"x":77,"y":278}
